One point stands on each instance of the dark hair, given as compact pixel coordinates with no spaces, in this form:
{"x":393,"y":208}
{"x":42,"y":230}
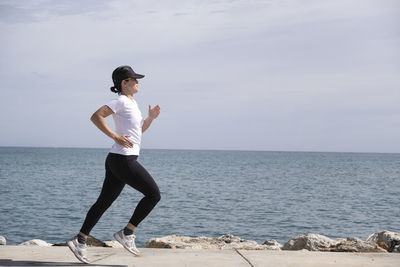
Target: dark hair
{"x":115,"y":89}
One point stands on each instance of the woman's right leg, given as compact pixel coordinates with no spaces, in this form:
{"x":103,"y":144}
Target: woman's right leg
{"x":112,"y":187}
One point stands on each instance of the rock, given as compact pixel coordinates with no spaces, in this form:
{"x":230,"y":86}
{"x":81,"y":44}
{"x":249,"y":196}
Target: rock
{"x":234,"y":242}
{"x":312,"y":242}
{"x":36,"y":242}
{"x":383,"y":245}
{"x":171,"y":241}
{"x":273,"y":244}
{"x":59,"y":244}
{"x":222,"y":242}
{"x":315,"y":242}
{"x":94,"y":242}
{"x":391,"y":239}
{"x":353,"y":244}
{"x":338,"y":240}
{"x":113,"y":244}
{"x":3,"y":241}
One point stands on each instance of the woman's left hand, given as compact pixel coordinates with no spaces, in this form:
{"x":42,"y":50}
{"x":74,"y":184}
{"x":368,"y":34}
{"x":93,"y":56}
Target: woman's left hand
{"x":154,"y":112}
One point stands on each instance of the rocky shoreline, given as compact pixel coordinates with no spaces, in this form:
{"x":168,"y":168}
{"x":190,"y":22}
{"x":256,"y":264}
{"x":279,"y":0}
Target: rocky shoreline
{"x":383,"y":242}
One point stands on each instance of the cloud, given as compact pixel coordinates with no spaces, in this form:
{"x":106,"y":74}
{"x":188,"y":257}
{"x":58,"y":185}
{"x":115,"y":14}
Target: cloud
{"x":242,"y":67}
{"x":25,"y":11}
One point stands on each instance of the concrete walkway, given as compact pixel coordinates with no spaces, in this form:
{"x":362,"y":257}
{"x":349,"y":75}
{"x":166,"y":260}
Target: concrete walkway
{"x":62,"y":256}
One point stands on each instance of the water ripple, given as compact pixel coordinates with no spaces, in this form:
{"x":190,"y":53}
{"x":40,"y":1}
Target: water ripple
{"x":255,"y":195}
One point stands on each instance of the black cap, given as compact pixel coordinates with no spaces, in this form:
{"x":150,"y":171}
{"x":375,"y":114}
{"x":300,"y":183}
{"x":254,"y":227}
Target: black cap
{"x":124,"y":72}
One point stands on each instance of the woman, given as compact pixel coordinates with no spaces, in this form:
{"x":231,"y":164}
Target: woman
{"x":121,"y":163}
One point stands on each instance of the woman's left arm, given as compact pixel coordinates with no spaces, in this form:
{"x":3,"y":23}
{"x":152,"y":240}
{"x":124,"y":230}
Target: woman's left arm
{"x":153,"y":113}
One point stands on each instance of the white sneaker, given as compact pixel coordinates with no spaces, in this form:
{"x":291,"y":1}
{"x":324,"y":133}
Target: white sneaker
{"x":78,"y":249}
{"x":127,"y":241}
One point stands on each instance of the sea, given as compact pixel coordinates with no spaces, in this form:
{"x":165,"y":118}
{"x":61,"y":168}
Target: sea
{"x":256,"y":195}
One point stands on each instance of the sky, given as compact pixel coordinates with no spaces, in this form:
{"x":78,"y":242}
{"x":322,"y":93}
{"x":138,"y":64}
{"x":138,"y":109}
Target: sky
{"x":275,"y":75}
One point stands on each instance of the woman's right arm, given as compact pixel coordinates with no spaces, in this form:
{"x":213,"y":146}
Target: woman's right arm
{"x":98,"y":120}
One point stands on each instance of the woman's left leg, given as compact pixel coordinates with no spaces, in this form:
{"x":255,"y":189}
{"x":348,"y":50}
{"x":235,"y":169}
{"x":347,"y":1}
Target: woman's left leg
{"x":144,"y":183}
{"x":135,"y":175}
{"x":132,"y":173}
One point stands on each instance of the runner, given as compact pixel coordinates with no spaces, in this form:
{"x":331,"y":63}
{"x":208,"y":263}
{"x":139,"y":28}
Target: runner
{"x":121,"y":163}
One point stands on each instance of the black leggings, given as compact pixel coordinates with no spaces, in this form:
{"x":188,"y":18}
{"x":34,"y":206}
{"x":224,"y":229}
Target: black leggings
{"x":121,"y":170}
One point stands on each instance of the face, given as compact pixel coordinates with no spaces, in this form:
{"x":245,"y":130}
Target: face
{"x":130,"y":86}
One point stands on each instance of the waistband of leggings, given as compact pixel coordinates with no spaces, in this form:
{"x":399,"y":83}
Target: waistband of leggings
{"x":115,"y":155}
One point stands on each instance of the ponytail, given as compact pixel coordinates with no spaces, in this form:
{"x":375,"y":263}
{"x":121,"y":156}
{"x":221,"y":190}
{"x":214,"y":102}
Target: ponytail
{"x":114,"y":89}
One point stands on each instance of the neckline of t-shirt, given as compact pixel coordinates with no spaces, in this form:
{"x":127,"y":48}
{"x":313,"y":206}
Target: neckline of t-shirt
{"x":133,"y":100}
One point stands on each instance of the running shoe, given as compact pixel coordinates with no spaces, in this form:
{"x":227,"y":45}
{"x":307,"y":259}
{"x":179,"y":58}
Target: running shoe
{"x":78,"y":249}
{"x":127,"y":241}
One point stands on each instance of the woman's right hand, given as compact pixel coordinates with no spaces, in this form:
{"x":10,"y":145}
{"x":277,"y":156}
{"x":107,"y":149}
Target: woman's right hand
{"x":123,"y":140}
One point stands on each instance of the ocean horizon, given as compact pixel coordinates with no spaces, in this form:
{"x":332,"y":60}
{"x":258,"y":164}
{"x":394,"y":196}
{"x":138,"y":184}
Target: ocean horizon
{"x":209,"y":149}
{"x":45,"y":193}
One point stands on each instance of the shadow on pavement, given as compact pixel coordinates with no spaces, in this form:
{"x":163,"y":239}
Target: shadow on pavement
{"x":8,"y":262}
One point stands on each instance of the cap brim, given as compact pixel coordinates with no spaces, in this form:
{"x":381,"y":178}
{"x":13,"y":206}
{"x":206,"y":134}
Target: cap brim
{"x":137,"y":76}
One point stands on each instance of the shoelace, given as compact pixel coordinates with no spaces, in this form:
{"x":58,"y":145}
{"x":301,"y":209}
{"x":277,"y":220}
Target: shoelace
{"x":82,"y":247}
{"x":130,"y":240}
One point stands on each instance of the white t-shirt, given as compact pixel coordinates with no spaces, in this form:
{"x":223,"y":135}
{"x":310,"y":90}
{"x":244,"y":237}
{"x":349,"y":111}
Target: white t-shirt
{"x":128,"y":121}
